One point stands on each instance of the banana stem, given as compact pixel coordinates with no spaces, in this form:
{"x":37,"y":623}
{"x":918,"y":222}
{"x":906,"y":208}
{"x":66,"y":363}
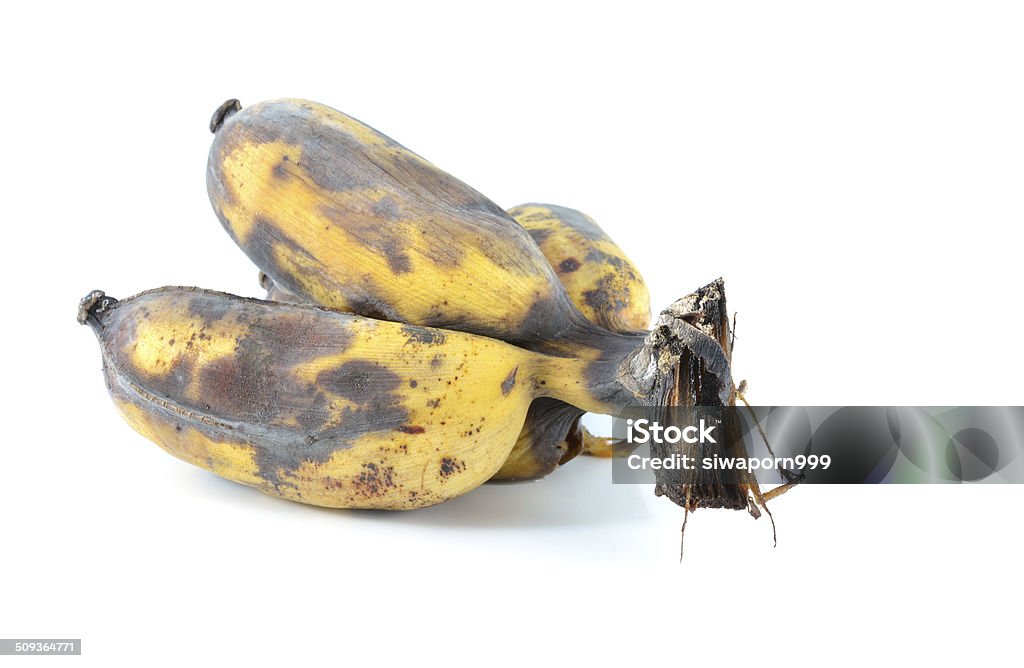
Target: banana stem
{"x":695,"y":326}
{"x":630,"y":371}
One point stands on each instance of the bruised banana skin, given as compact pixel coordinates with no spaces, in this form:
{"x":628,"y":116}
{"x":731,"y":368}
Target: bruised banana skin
{"x":343,"y":216}
{"x":551,"y":433}
{"x":597,"y":275}
{"x":607,"y":288}
{"x":317,"y":406}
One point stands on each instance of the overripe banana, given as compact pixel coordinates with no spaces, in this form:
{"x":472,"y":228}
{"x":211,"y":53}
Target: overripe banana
{"x":551,"y":433}
{"x":343,"y":216}
{"x":607,"y":288}
{"x":600,"y":280}
{"x":323,"y":407}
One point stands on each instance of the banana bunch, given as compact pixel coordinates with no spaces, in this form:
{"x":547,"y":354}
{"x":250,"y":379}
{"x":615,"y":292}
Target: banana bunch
{"x":416,"y":341}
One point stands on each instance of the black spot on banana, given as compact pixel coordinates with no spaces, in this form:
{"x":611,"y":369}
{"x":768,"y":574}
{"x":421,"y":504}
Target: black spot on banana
{"x":598,"y":277}
{"x":324,"y":407}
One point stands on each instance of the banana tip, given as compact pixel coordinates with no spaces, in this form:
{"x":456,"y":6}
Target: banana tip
{"x":224,"y":112}
{"x":92,"y":306}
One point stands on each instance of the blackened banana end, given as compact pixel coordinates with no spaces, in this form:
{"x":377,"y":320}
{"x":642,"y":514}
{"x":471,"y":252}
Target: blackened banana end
{"x":224,"y":112}
{"x":93,"y":306}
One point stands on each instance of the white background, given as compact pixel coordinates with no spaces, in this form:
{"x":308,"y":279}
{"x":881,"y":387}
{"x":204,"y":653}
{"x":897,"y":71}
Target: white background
{"x":853,"y":170}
